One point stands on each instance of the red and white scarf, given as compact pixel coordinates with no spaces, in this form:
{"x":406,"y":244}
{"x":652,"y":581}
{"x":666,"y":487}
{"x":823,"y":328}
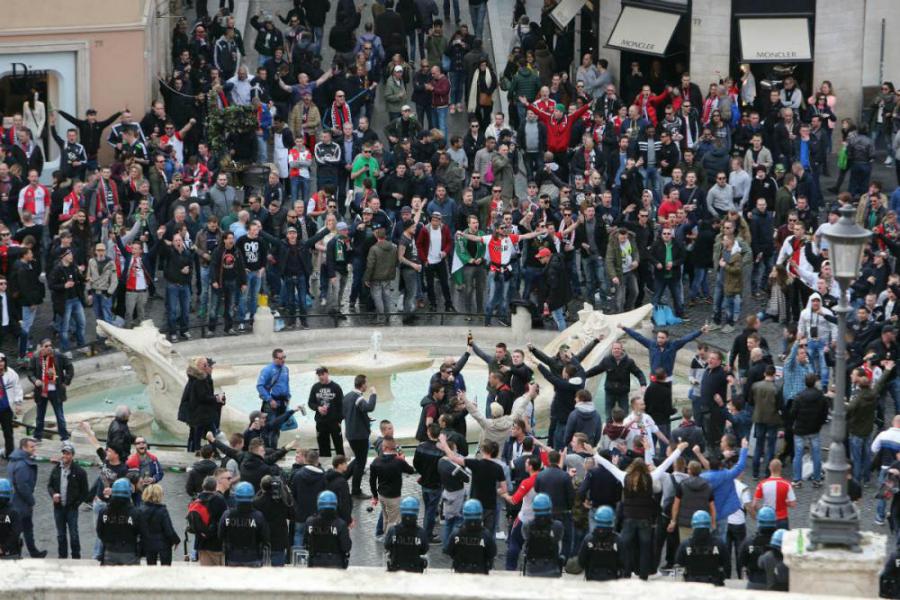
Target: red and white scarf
{"x":47,"y":363}
{"x":101,"y":196}
{"x":340,"y":115}
{"x":71,"y":203}
{"x":132,"y":282}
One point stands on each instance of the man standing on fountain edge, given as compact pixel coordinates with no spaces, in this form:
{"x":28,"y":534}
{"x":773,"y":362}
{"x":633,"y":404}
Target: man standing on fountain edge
{"x":357,"y":428}
{"x":274,"y":388}
{"x":326,"y":398}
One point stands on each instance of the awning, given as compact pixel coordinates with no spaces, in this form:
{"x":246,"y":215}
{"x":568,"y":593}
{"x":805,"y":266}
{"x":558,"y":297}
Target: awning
{"x":644,"y":31}
{"x":775,"y":40}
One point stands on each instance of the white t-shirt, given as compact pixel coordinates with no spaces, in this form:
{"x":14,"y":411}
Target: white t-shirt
{"x":434,"y":248}
{"x":635,"y":426}
{"x":739,"y":517}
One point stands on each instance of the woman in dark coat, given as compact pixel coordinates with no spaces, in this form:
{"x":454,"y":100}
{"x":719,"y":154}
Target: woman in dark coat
{"x":159,"y":534}
{"x":200,"y":407}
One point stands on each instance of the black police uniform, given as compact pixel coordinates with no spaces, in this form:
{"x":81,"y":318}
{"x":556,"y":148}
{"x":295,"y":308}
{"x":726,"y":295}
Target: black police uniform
{"x":889,"y":582}
{"x":600,"y":556}
{"x":705,"y":559}
{"x":472,"y":548}
{"x":10,"y":533}
{"x":119,"y":527}
{"x":244,"y":532}
{"x":748,"y":558}
{"x":327,"y":540}
{"x":406,"y":545}
{"x":778,"y":575}
{"x":543,"y":544}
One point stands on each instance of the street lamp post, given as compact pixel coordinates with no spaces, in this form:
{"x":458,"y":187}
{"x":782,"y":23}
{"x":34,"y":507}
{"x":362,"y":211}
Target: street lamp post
{"x":834,"y":518}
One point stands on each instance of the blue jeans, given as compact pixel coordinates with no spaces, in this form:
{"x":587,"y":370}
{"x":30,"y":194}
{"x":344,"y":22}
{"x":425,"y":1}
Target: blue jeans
{"x":440,"y":119}
{"x":66,"y":518}
{"x":317,"y":36}
{"x":432,"y":499}
{"x":204,"y":290}
{"x":861,"y":455}
{"x":732,"y":308}
{"x":673,"y":284}
{"x":293,"y":296}
{"x":178,"y":307}
{"x":477,"y":11}
{"x":652,"y":180}
{"x":450,"y":523}
{"x":299,"y":188}
{"x":262,"y":151}
{"x":881,"y":505}
{"x":860,"y":172}
{"x":514,"y":547}
{"x":250,"y":297}
{"x":299,"y":531}
{"x":595,"y":281}
{"x":816,"y":350}
{"x":98,"y":543}
{"x":53,"y":400}
{"x":498,"y":290}
{"x":638,"y":533}
{"x":700,"y":283}
{"x":28,"y":315}
{"x":766,"y":436}
{"x":761,"y":270}
{"x":73,"y":310}
{"x":815,"y":448}
{"x":457,"y":87}
{"x":227,"y":297}
{"x":103,"y":307}
{"x":559,"y":317}
{"x":556,"y":434}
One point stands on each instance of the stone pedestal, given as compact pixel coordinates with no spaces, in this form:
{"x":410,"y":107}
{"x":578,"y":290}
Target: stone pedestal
{"x":834,"y":571}
{"x":263,"y":325}
{"x":520,"y":320}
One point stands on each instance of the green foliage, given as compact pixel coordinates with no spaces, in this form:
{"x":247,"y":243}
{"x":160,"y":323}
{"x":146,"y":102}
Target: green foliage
{"x":223,"y":121}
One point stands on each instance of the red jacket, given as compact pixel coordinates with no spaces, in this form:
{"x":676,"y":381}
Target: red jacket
{"x":652,"y":102}
{"x":423,"y":241}
{"x":558,"y":132}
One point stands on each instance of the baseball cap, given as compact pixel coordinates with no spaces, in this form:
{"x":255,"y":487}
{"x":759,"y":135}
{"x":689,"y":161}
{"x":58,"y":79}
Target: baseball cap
{"x":368,"y":211}
{"x":342,"y":226}
{"x":406,"y":209}
{"x":67,"y":447}
{"x":888,"y":329}
{"x":290,"y":229}
{"x":543,"y":253}
{"x":437,"y":214}
{"x":405,"y":106}
{"x":398,"y":69}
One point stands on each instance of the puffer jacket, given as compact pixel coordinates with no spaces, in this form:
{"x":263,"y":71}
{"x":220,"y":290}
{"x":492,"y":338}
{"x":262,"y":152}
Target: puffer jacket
{"x":381,"y":263}
{"x":22,"y":473}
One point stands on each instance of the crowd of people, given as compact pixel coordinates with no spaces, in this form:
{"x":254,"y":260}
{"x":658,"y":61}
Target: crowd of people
{"x":645,"y":190}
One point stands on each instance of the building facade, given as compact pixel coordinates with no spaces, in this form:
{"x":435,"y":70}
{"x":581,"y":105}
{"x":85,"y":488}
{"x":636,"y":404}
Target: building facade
{"x":80,"y":54}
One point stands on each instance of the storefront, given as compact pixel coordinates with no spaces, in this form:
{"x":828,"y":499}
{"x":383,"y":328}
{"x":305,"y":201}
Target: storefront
{"x":775,"y":40}
{"x":654,"y":38}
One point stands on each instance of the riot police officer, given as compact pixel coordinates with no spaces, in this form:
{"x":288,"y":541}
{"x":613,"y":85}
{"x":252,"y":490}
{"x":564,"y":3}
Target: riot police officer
{"x":778,"y":576}
{"x":471,"y":545}
{"x":543,"y":541}
{"x":599,"y":556}
{"x":705,"y":558}
{"x":244,"y":530}
{"x":753,"y":548}
{"x":119,"y":527}
{"x":327,"y":537}
{"x":10,"y":524}
{"x":405,"y":543}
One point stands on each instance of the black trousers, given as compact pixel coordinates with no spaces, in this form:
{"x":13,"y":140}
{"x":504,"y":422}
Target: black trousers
{"x":438,"y":270}
{"x":6,"y":422}
{"x":360,"y":450}
{"x":325,"y":437}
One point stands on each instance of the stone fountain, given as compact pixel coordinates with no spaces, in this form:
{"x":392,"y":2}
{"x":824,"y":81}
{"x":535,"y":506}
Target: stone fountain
{"x":378,"y":365}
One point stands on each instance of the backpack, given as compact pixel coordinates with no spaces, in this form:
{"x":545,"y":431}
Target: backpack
{"x":197,"y":517}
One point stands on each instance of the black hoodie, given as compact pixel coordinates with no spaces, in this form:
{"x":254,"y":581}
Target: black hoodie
{"x":307,"y":481}
{"x":337,"y":483}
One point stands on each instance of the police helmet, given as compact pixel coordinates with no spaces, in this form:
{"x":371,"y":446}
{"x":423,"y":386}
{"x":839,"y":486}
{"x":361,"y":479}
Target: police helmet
{"x":121,"y":488}
{"x":542,"y":505}
{"x":472,"y":510}
{"x":409,"y":506}
{"x":701,"y":520}
{"x":243,"y":492}
{"x":766,"y":517}
{"x":605,"y":517}
{"x":6,"y":489}
{"x":327,"y":501}
{"x":777,"y":537}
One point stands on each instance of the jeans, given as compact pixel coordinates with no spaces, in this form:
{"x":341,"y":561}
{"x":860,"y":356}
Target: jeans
{"x":614,"y":399}
{"x":53,"y":399}
{"x":457,"y":86}
{"x":673,"y":284}
{"x":514,"y":547}
{"x":204,"y":290}
{"x":861,"y":455}
{"x":815,"y":448}
{"x":381,"y":295}
{"x":432,"y":499}
{"x":477,"y":11}
{"x":556,"y":434}
{"x":472,"y":293}
{"x":102,"y":307}
{"x":28,"y":315}
{"x":627,"y":291}
{"x":534,"y":164}
{"x":66,"y":518}
{"x":766,"y":437}
{"x":450,"y":523}
{"x":440,"y":119}
{"x":178,"y":307}
{"x":293,"y":296}
{"x":595,"y":271}
{"x":761,"y":270}
{"x":262,"y":151}
{"x":250,"y":297}
{"x":880,"y":504}
{"x":559,"y":317}
{"x":652,"y":180}
{"x":447,"y":10}
{"x":860,"y":172}
{"x":816,"y":351}
{"x":226,"y":295}
{"x":299,"y":188}
{"x":73,"y":310}
{"x":637,"y":540}
{"x":98,"y":543}
{"x":410,"y":279}
{"x":336,"y":291}
{"x":568,"y":532}
{"x":700,"y":283}
{"x":498,"y":290}
{"x":357,"y":290}
{"x":732,"y":308}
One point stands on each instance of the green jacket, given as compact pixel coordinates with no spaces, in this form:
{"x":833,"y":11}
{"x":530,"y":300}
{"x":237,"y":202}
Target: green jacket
{"x":525,"y":83}
{"x":381,"y":263}
{"x":784,"y":203}
{"x":862,"y":405}
{"x":462,"y":248}
{"x":395,"y":95}
{"x":434,"y":48}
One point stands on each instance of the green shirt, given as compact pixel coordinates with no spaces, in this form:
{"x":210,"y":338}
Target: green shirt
{"x":668,"y":272}
{"x":358,"y":163}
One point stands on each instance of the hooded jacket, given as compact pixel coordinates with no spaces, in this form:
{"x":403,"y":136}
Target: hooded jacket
{"x":22,"y":473}
{"x":563,"y":394}
{"x":584,"y":419}
{"x":307,"y":482}
{"x":381,"y":263}
{"x":695,"y":494}
{"x":821,"y":323}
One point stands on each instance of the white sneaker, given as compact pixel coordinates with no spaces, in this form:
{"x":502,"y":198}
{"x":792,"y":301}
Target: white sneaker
{"x":888,"y":161}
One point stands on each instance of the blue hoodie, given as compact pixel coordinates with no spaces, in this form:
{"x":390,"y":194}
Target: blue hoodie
{"x":662,"y":357}
{"x":22,"y":473}
{"x":722,"y":483}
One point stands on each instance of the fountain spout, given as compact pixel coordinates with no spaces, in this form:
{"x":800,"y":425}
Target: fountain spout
{"x":375,"y":344}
